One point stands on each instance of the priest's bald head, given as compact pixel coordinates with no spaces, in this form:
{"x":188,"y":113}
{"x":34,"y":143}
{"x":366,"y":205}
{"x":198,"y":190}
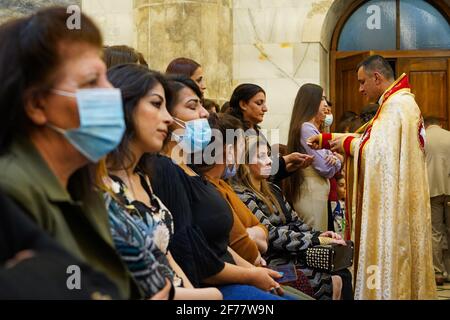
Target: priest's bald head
{"x":375,"y":75}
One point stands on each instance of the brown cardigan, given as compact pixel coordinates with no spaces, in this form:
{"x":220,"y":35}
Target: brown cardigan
{"x":243,"y":218}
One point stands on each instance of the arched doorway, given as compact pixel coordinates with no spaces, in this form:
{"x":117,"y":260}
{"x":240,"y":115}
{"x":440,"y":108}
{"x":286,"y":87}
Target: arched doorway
{"x":414,"y":35}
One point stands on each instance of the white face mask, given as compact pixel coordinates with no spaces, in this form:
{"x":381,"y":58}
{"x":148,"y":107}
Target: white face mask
{"x":328,"y":120}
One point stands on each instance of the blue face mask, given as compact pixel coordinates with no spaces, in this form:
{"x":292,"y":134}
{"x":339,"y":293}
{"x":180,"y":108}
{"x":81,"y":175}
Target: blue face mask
{"x":328,"y":120}
{"x":229,"y":172}
{"x":102,"y":123}
{"x":197,"y":135}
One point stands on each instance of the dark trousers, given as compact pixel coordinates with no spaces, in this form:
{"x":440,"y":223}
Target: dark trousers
{"x":347,"y":287}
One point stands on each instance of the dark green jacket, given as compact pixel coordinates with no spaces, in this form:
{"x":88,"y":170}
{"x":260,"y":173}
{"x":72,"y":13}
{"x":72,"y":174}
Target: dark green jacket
{"x":77,"y":220}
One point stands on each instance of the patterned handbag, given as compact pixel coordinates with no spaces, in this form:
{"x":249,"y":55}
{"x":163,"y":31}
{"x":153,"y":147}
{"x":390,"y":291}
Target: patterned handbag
{"x":330,"y":258}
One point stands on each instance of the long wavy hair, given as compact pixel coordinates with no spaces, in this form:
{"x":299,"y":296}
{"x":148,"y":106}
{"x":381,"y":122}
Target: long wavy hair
{"x":244,"y":175}
{"x":134,"y":81}
{"x":306,"y":107}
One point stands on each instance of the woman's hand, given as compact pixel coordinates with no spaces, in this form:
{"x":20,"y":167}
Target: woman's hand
{"x":331,"y":159}
{"x":252,"y":233}
{"x":163,"y":294}
{"x":263,"y":278}
{"x":257,"y":262}
{"x":336,"y":238}
{"x":263,"y":262}
{"x":297,"y":160}
{"x":331,"y":234}
{"x":19,"y":257}
{"x":260,"y":262}
{"x":337,"y":145}
{"x":258,"y":235}
{"x":313,"y":141}
{"x":198,"y":294}
{"x":339,"y":156}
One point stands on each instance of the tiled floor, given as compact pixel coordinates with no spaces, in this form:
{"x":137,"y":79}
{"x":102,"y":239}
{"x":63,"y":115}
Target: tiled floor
{"x":444,"y":291}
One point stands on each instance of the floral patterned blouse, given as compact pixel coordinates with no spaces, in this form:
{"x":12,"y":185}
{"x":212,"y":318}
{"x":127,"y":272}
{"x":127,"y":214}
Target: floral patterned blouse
{"x":141,"y":234}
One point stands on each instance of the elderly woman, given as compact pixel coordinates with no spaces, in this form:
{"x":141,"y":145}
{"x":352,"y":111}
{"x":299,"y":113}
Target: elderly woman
{"x":59,"y":115}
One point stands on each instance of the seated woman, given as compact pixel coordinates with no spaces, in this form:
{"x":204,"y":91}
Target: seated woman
{"x":28,"y":256}
{"x":288,"y":235}
{"x":140,"y":223}
{"x":202,"y":218}
{"x":60,"y":115}
{"x":248,"y":236}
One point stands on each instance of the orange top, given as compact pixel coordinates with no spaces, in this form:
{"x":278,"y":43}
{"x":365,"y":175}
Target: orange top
{"x":243,"y":218}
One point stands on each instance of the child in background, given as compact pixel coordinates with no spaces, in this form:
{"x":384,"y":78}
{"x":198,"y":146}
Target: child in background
{"x":338,"y":207}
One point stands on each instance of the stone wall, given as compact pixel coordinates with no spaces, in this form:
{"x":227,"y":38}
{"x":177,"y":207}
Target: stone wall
{"x":197,"y":29}
{"x":276,"y":47}
{"x":115,"y":19}
{"x":278,"y":44}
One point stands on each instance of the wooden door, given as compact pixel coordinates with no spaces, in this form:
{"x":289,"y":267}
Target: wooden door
{"x":347,"y":96}
{"x":429,"y":79}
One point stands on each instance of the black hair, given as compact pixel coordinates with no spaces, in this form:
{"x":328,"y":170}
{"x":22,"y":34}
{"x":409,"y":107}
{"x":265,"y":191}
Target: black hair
{"x":177,"y":83}
{"x":377,"y":63}
{"x":220,"y":122}
{"x":30,"y":55}
{"x":134,"y":81}
{"x":209,"y":104}
{"x":225,"y":107}
{"x":430,"y":120}
{"x":243,"y":92}
{"x":115,"y":55}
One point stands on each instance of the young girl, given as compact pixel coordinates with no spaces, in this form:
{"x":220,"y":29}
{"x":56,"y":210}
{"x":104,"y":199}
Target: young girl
{"x":289,"y":236}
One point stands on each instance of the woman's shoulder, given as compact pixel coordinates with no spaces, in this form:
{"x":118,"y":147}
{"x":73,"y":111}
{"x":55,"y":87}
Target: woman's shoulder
{"x":163,"y":169}
{"x":242,"y":190}
{"x":275,"y":188}
{"x":158,"y":162}
{"x":309,"y":127}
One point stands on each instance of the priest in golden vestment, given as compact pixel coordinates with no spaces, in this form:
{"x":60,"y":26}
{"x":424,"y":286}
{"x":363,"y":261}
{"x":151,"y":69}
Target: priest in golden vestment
{"x":388,"y":194}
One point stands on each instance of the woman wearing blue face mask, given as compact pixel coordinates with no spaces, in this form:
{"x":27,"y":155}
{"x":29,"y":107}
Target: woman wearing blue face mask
{"x":141,"y":225}
{"x":248,"y":238}
{"x":202,"y":218}
{"x":60,"y":114}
